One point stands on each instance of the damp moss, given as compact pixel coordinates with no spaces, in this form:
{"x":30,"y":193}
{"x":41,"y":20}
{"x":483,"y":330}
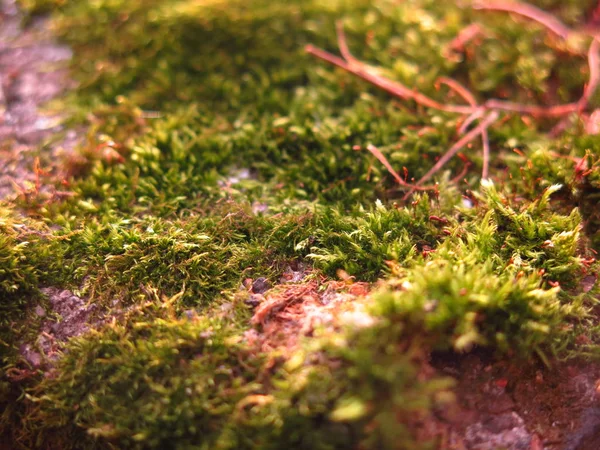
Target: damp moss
{"x":183,"y":377}
{"x":16,"y":277}
{"x":495,"y":281}
{"x":122,"y":258}
{"x":473,"y":289}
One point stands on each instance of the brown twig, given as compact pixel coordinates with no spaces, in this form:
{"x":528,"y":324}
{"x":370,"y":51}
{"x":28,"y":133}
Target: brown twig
{"x":393,"y":87}
{"x":343,"y":45}
{"x":466,"y":35}
{"x":383,"y":160}
{"x":485,"y":123}
{"x":529,"y":11}
{"x":485,"y":141}
{"x":536,"y":111}
{"x":488,"y":112}
{"x":399,"y":90}
{"x":470,"y":119}
{"x":277,"y":300}
{"x":459,"y":89}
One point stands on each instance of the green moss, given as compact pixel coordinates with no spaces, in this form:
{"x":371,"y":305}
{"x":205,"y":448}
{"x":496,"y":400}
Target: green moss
{"x":181,"y":377}
{"x":19,"y":275}
{"x":362,"y":245}
{"x":493,"y":281}
{"x":206,"y":256}
{"x":482,"y":286}
{"x":193,"y":380}
{"x":217,"y":150}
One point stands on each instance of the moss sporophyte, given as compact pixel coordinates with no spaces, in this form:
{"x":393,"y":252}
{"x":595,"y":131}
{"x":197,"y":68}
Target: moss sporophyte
{"x":241,"y":274}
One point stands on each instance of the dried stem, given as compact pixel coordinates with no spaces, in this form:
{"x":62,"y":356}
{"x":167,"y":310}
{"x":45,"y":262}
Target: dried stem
{"x":383,"y":160}
{"x":592,"y":85}
{"x":343,"y":45}
{"x":470,"y":119}
{"x":466,"y":35}
{"x":399,"y":90}
{"x":537,"y":111}
{"x":459,"y":89}
{"x":529,"y":11}
{"x":393,"y":87}
{"x":485,"y":123}
{"x":485,"y":140}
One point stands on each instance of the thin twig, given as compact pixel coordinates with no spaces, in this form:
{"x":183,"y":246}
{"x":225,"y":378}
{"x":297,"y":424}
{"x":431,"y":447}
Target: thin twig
{"x":399,"y":90}
{"x":529,"y":11}
{"x":485,"y":123}
{"x":393,"y":87}
{"x":343,"y":46}
{"x":537,"y":111}
{"x":466,"y":35}
{"x":383,"y":160}
{"x":470,"y":119}
{"x":462,"y":173}
{"x":485,"y":140}
{"x":489,"y":110}
{"x":592,"y":85}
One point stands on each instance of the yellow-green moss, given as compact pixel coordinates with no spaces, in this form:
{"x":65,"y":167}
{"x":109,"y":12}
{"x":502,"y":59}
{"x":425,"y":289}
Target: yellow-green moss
{"x":217,"y":150}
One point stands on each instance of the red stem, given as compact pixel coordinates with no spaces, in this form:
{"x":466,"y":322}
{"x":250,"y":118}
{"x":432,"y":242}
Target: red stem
{"x":529,"y":11}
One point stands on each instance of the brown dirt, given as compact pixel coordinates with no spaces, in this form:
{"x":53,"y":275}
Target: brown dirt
{"x":293,"y":309}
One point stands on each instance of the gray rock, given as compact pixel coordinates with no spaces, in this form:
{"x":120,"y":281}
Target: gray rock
{"x":260,"y":285}
{"x":71,"y":317}
{"x":504,"y":431}
{"x":254,"y":300}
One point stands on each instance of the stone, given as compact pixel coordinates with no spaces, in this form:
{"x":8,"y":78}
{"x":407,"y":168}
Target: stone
{"x":502,"y":431}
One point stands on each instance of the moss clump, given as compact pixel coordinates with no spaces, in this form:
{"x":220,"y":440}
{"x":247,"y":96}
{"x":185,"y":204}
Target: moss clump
{"x":19,"y":276}
{"x":182,"y":377}
{"x":493,"y":282}
{"x":473,"y":289}
{"x":194,"y":382}
{"x":123,"y":258}
{"x":570,"y":161}
{"x":362,"y":245}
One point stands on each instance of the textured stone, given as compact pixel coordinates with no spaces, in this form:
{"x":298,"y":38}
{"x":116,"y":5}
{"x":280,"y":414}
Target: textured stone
{"x":504,"y":431}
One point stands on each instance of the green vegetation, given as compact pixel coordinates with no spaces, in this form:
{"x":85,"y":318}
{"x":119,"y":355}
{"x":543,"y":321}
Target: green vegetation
{"x":217,"y":150}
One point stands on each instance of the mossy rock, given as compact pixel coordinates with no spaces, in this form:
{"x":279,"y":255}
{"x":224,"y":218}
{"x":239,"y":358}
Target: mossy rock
{"x":218,"y":151}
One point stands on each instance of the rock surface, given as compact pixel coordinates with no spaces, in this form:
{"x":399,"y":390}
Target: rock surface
{"x":70,"y":317}
{"x":33,"y":70}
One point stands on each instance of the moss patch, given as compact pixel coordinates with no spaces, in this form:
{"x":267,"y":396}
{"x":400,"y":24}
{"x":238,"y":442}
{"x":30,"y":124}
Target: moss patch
{"x":217,"y":151}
